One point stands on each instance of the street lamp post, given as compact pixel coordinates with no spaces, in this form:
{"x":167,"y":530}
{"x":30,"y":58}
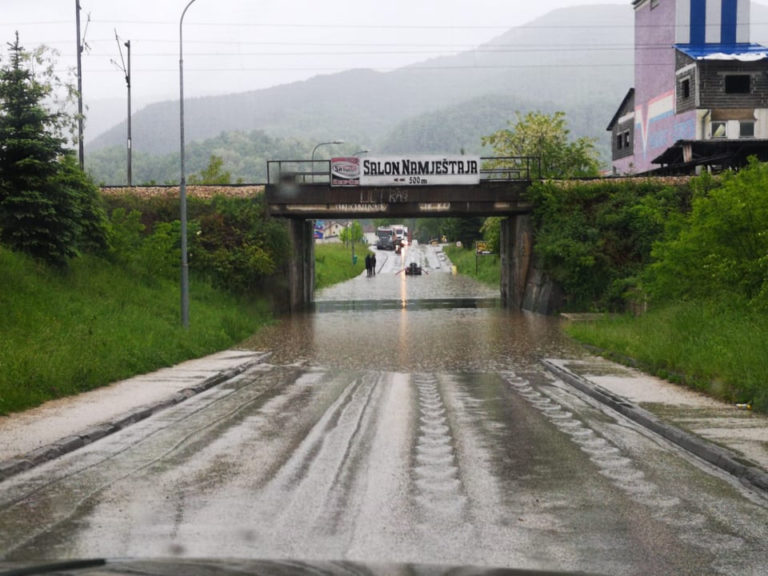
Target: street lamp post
{"x":183,"y":182}
{"x":329,"y":143}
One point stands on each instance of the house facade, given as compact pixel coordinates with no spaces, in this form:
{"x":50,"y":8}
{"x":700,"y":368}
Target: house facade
{"x":701,"y":89}
{"x":328,"y":230}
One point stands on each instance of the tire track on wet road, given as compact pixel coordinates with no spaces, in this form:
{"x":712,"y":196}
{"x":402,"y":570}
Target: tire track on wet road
{"x":89,"y":472}
{"x":622,"y":470}
{"x":437,"y":481}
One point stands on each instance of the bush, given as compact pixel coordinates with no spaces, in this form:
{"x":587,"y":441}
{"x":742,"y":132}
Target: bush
{"x":232,"y":242}
{"x":595,"y":238}
{"x":721,"y":247}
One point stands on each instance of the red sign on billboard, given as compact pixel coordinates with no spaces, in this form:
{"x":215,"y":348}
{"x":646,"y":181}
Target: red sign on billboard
{"x":345,"y":171}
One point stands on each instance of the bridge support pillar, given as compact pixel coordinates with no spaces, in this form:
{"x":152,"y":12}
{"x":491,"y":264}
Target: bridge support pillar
{"x":301,"y":264}
{"x":516,"y":253}
{"x":524,"y":285}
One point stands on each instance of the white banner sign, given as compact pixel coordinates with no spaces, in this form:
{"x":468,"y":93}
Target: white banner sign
{"x":408,"y":171}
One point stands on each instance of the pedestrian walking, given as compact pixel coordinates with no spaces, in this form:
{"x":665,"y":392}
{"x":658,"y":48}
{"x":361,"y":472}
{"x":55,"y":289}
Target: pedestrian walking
{"x":368,"y":264}
{"x":373,"y":264}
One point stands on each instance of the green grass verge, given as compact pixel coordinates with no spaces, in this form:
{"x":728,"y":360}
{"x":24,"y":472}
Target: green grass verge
{"x":333,"y":263}
{"x":720,"y":348}
{"x":64,"y":332}
{"x":488,"y":266}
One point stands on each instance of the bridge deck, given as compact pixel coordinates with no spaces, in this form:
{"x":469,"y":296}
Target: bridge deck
{"x":302,"y":189}
{"x":320,"y":201}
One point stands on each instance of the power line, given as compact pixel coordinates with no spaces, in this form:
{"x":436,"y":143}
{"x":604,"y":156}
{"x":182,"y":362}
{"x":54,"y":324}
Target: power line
{"x":423,"y":49}
{"x":412,"y":67}
{"x":365,"y":26}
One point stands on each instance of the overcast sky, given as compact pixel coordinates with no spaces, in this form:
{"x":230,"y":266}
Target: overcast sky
{"x":235,"y":45}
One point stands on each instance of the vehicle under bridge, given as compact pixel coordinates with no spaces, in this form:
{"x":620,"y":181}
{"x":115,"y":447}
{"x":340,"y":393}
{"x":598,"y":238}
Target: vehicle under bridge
{"x":395,"y":187}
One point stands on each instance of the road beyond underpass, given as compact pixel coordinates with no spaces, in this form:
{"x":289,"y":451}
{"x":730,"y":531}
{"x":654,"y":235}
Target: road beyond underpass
{"x":405,"y":419}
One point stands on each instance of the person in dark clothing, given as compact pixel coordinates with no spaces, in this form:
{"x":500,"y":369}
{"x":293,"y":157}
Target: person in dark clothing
{"x":373,"y":264}
{"x":368,"y":264}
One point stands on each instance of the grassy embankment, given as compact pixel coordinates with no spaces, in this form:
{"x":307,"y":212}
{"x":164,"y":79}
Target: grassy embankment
{"x":488,"y":266}
{"x":719,"y":348}
{"x":62,"y":333}
{"x":333,"y":263}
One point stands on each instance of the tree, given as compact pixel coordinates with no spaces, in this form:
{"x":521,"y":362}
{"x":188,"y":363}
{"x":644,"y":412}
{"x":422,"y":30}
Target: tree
{"x":211,"y":175}
{"x":491,"y":230}
{"x":721,"y":246}
{"x":546,"y":137}
{"x":352,"y":233}
{"x":42,"y":199}
{"x":464,"y":230}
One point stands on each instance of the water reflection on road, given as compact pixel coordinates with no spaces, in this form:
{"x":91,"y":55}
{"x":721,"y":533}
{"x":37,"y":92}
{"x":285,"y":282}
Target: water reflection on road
{"x":433,"y":322}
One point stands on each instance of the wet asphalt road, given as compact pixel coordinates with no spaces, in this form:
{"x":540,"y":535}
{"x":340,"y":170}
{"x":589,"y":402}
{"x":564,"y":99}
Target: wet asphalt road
{"x":392,"y":426}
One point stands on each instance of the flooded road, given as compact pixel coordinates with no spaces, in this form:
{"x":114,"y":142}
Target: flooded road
{"x":436,"y":321}
{"x":405,"y":419}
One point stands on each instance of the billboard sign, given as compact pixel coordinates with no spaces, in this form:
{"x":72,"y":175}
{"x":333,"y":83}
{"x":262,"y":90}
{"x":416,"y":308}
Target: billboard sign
{"x":406,"y":171}
{"x":345,"y":171}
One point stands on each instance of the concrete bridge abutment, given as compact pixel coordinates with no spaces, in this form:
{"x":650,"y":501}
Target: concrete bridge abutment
{"x":301,"y":264}
{"x":524,"y":286}
{"x":516,"y":249}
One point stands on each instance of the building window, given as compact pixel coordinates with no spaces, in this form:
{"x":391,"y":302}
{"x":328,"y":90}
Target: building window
{"x":626,"y":139}
{"x":685,"y":88}
{"x":619,"y":142}
{"x":719,"y":130}
{"x":738,"y":84}
{"x":746,"y":130}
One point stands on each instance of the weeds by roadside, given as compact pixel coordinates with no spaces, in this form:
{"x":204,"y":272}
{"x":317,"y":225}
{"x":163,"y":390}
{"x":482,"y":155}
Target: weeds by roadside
{"x":720,"y":347}
{"x":65,"y":332}
{"x":333,"y":263}
{"x":488,"y":266}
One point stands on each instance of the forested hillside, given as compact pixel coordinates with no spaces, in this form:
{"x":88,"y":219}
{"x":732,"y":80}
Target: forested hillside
{"x":244,"y":156}
{"x":578,"y":60}
{"x":549,"y":60}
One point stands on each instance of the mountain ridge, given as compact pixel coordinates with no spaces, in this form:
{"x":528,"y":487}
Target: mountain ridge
{"x":363,"y":104}
{"x":441,"y":105}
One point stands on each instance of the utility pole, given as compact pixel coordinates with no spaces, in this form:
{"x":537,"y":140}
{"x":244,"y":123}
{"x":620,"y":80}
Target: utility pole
{"x":126,"y":70}
{"x":81,"y":150}
{"x":130,"y":141}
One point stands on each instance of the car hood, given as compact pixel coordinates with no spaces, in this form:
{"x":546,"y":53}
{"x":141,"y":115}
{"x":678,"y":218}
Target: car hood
{"x":203,"y":567}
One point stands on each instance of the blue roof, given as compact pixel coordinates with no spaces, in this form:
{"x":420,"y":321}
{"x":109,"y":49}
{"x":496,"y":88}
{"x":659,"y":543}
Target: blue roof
{"x":724,"y":51}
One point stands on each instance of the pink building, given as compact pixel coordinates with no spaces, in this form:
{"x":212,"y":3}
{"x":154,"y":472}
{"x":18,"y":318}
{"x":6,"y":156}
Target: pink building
{"x":701,"y":89}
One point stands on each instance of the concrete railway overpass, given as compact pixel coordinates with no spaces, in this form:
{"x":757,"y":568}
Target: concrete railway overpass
{"x":303,"y":191}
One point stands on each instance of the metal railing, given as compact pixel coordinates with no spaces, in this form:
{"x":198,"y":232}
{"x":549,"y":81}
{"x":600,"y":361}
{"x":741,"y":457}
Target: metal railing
{"x":299,"y":172}
{"x":493,"y":169}
{"x":510,"y":168}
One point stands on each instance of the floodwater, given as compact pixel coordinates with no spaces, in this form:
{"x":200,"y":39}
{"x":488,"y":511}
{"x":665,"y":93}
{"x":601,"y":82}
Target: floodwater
{"x":436,"y":321}
{"x":405,"y":419}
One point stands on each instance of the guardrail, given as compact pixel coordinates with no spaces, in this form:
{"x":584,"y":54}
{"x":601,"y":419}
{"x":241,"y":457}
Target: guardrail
{"x":299,"y":171}
{"x":510,"y":168}
{"x":493,"y":169}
